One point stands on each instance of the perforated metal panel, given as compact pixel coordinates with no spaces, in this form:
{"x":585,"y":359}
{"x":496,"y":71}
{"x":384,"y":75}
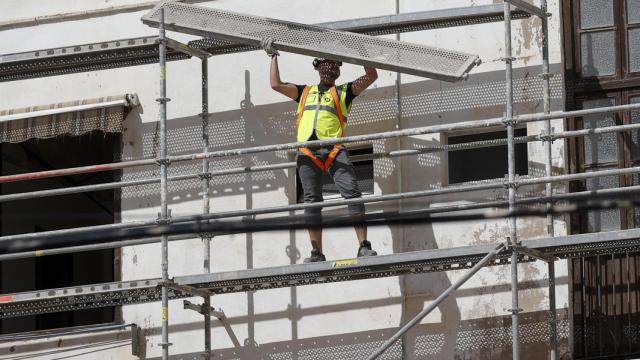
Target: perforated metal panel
{"x":603,"y":220}
{"x":596,"y":13}
{"x":634,"y":49}
{"x":599,"y":148}
{"x":633,"y":11}
{"x":598,"y":53}
{"x":635,"y":134}
{"x":309,"y":40}
{"x":142,"y":291}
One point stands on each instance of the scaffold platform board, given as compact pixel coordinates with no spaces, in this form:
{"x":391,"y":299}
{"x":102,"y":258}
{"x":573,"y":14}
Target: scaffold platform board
{"x":144,"y":291}
{"x":415,"y":59}
{"x":144,"y":50}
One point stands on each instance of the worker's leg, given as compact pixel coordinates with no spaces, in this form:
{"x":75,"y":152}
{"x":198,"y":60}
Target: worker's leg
{"x":311,"y":179}
{"x":344,"y":176}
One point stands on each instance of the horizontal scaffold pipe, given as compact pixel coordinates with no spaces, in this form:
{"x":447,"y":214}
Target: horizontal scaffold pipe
{"x":600,"y":193}
{"x":288,"y":222}
{"x":42,"y":240}
{"x":93,"y":247}
{"x":287,"y":165}
{"x":242,"y":170}
{"x":465,"y":125}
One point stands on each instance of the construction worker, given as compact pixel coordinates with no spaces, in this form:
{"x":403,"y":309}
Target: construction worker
{"x":322,"y":114}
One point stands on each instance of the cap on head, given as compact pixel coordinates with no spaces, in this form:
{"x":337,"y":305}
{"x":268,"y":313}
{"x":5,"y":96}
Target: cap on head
{"x":318,"y":61}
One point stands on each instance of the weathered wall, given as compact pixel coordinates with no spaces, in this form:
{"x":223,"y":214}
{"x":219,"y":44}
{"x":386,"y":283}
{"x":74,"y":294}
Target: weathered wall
{"x":333,"y":319}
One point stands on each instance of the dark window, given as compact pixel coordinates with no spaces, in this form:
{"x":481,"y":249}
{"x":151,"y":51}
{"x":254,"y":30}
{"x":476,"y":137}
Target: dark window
{"x":364,"y":176}
{"x":59,"y":212}
{"x":473,"y":164}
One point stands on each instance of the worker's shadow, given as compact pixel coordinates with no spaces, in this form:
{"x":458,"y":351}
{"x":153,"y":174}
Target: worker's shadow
{"x":419,"y":173}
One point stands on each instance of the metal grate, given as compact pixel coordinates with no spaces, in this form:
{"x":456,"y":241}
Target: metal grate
{"x":310,"y":40}
{"x":142,"y":291}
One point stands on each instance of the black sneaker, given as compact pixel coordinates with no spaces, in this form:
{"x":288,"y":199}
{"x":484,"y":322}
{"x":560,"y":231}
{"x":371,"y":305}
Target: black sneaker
{"x":365,"y":249}
{"x":316,"y":256}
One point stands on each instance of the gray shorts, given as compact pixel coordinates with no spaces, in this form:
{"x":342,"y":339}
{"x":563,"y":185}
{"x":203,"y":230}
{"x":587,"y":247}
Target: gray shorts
{"x":342,"y":173}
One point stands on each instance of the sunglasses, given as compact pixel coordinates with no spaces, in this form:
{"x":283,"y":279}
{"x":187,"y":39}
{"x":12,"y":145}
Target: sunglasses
{"x":317,"y":62}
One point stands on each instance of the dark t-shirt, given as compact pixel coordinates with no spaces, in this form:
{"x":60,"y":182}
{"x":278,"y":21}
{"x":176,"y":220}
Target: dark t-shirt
{"x":323,"y":88}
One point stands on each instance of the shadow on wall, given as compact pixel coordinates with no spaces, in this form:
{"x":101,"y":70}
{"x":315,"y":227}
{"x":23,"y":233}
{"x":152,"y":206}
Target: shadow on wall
{"x":423,"y":103}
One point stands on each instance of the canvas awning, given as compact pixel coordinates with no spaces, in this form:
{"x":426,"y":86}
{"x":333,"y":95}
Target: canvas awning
{"x":68,"y":118}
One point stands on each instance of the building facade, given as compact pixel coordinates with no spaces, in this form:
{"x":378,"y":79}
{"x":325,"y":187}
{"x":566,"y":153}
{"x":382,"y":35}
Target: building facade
{"x":327,"y":321}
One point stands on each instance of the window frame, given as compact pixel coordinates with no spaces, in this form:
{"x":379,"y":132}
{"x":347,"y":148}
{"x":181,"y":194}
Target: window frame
{"x":622,"y":78}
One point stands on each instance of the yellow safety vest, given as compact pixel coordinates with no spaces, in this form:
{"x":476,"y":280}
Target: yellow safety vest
{"x":321,"y":113}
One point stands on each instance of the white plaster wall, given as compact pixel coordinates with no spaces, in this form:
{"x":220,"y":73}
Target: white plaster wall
{"x":348,"y":305}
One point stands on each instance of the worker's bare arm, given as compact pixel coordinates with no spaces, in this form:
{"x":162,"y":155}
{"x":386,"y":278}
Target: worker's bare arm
{"x":364,"y":81}
{"x":287,"y":89}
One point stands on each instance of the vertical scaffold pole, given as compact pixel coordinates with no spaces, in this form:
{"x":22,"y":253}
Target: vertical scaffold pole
{"x":553,"y":331}
{"x":546,"y":98}
{"x":164,"y":214}
{"x":511,"y":164}
{"x":206,"y":238}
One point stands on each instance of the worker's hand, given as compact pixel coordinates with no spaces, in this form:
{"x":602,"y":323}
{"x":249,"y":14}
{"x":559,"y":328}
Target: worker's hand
{"x":267,"y":45}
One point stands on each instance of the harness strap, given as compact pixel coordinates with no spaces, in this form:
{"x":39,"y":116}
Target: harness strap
{"x":324,"y":166}
{"x":338,"y":105}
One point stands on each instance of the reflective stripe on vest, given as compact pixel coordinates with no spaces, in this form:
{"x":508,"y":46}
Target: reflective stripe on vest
{"x":337,"y":112}
{"x":319,"y":112}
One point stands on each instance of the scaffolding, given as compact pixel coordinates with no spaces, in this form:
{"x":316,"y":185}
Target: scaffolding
{"x":511,"y":251}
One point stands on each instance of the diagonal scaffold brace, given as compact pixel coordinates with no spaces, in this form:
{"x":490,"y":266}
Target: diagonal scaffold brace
{"x":490,"y":256}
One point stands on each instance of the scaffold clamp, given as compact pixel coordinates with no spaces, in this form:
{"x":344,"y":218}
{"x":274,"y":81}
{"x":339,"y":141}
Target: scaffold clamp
{"x":509,"y":121}
{"x":544,"y":136}
{"x":164,"y":220}
{"x":546,"y":76}
{"x":511,"y":184}
{"x":163,"y":161}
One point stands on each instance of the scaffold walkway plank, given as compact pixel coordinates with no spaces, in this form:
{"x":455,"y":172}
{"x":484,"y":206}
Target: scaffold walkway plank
{"x":382,"y":53}
{"x":143,"y":291}
{"x":143,"y":50}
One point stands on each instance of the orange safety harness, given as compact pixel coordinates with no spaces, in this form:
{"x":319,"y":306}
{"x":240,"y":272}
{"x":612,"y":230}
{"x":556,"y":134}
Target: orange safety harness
{"x":324,"y":166}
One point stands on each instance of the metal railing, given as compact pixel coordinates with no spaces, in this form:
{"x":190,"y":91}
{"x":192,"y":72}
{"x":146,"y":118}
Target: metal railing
{"x":511,"y":183}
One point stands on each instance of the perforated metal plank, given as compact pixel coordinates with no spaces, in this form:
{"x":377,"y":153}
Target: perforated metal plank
{"x":141,"y":51}
{"x":425,"y":20}
{"x":82,"y":297}
{"x":530,"y":8}
{"x":82,"y":58}
{"x":142,"y":291}
{"x":311,"y":40}
{"x":134,"y":292}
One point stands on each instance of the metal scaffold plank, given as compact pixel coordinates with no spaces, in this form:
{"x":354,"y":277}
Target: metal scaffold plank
{"x":142,"y":291}
{"x":143,"y":50}
{"x":531,"y":9}
{"x":420,"y":60}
